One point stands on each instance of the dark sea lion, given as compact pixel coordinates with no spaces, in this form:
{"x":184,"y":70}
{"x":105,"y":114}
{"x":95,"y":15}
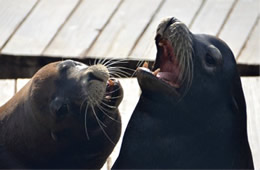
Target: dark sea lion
{"x":66,"y":116}
{"x":192,"y":111}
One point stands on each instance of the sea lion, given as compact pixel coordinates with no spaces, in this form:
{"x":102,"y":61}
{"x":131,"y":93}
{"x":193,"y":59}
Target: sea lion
{"x":66,"y":116}
{"x":192,"y":111}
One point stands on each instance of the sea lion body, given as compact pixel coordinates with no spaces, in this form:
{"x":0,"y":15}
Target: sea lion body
{"x":50,"y":122}
{"x":199,"y":125}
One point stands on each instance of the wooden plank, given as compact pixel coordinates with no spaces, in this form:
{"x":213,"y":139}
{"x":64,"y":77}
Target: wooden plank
{"x":212,"y":16}
{"x":252,"y":94}
{"x":40,"y":27}
{"x":183,"y":10}
{"x":121,"y":34}
{"x":251,"y":51}
{"x":7,"y":90}
{"x":21,"y":83}
{"x":239,"y":24}
{"x":82,"y":28}
{"x":12,"y":14}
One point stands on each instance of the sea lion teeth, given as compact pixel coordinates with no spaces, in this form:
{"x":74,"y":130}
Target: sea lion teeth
{"x":145,"y":65}
{"x":156,"y":71}
{"x":160,"y":44}
{"x":108,"y":97}
{"x":110,"y":82}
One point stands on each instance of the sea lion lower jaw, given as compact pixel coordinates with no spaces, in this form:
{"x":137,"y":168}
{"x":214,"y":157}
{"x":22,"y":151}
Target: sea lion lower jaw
{"x":62,"y":119}
{"x":204,"y":126}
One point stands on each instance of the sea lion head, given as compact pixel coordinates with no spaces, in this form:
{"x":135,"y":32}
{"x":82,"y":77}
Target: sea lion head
{"x":69,"y":94}
{"x":191,"y":108}
{"x":66,"y":116}
{"x":186,"y":61}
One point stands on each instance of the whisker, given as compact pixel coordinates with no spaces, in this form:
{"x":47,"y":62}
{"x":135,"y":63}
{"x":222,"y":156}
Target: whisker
{"x":113,"y":90}
{"x":120,"y":71}
{"x":103,"y":110}
{"x":120,"y":75}
{"x":98,"y":121}
{"x":122,"y":68}
{"x":112,"y":107}
{"x":114,"y":97}
{"x":85,"y":122}
{"x":115,"y":75}
{"x":82,"y":105}
{"x":117,"y":62}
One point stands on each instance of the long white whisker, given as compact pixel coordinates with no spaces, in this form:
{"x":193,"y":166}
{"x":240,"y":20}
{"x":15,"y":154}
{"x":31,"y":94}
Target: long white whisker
{"x":112,"y":107}
{"x":115,"y":75}
{"x":118,"y":74}
{"x":98,"y":121}
{"x":103,"y":110}
{"x":120,"y":71}
{"x":122,"y":68}
{"x":113,"y":90}
{"x":85,"y":122}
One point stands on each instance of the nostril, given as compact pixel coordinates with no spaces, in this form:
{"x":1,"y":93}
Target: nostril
{"x":92,"y":76}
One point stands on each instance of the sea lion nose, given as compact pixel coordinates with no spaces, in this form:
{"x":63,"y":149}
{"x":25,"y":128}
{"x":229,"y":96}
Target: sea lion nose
{"x":92,"y":76}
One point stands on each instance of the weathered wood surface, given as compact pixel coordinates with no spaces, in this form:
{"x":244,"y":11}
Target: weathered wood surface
{"x":40,"y":27}
{"x":123,"y":31}
{"x":251,"y":51}
{"x":212,"y":16}
{"x":237,"y":28}
{"x":117,"y":29}
{"x":82,"y":28}
{"x":12,"y":14}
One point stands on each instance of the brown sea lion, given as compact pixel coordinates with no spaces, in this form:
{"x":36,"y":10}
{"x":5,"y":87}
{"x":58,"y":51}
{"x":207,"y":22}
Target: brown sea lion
{"x":66,"y":116}
{"x":192,"y":111}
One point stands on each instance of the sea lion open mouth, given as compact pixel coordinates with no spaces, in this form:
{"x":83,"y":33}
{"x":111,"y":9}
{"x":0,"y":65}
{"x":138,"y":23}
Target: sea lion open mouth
{"x":113,"y":92}
{"x":173,"y":64}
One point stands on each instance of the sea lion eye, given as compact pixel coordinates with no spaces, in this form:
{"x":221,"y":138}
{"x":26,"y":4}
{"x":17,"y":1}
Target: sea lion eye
{"x":210,"y":60}
{"x":213,"y":59}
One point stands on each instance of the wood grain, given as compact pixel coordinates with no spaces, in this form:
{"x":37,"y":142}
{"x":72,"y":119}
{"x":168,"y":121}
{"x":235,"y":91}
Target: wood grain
{"x":82,"y":28}
{"x":120,"y":35}
{"x":12,"y":13}
{"x":239,"y":24}
{"x":212,"y":16}
{"x":251,"y":52}
{"x":40,"y":27}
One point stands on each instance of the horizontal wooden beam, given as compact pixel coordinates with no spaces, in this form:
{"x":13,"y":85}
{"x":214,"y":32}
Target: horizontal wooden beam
{"x":15,"y":66}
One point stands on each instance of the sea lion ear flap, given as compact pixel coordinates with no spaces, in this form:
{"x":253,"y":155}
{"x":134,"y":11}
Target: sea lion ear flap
{"x":58,"y":107}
